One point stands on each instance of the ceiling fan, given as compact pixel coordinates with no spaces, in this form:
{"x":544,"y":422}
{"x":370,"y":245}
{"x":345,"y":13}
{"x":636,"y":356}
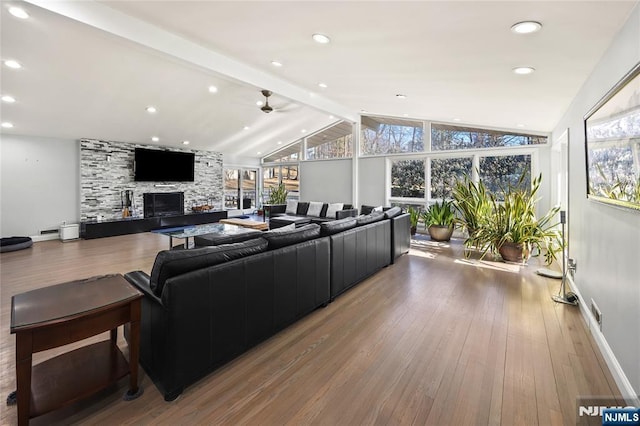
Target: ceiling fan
{"x":266,"y":108}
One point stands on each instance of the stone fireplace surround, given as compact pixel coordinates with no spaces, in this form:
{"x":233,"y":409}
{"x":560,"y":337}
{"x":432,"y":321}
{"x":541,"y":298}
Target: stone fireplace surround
{"x":106,"y":169}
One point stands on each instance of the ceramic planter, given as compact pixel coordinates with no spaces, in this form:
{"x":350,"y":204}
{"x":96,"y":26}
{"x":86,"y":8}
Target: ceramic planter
{"x":516,"y":253}
{"x":440,"y":232}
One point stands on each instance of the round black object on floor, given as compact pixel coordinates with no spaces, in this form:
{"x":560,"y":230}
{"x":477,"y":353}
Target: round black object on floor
{"x":15,"y":243}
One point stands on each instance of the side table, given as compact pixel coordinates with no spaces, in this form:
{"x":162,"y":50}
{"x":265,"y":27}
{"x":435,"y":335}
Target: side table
{"x":64,"y":313}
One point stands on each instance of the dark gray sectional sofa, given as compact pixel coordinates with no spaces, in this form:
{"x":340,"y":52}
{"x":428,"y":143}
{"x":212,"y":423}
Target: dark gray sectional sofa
{"x":203,"y":307}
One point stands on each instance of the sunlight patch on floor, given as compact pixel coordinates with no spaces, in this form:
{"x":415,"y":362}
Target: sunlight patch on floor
{"x":497,"y":266}
{"x":420,"y":253}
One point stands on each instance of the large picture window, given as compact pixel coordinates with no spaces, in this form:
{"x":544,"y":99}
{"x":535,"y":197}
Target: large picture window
{"x":332,"y":142}
{"x":445,"y":172}
{"x":407,"y":179}
{"x":240,"y":188}
{"x":499,"y":172}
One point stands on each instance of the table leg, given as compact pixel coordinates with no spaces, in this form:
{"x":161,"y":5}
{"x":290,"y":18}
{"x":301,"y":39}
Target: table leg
{"x":24,"y":346}
{"x":134,"y":351}
{"x":170,"y":242}
{"x":114,"y":336}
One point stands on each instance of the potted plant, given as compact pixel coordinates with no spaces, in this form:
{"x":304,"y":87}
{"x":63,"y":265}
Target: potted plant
{"x":513,"y":230}
{"x":439,"y":220}
{"x":472,"y":203}
{"x":278,"y":194}
{"x":414,"y":216}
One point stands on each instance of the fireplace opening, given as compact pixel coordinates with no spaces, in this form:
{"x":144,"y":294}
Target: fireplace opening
{"x":163,"y":204}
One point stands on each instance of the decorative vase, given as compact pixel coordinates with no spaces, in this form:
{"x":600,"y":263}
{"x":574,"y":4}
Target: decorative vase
{"x":516,"y":253}
{"x":440,"y":232}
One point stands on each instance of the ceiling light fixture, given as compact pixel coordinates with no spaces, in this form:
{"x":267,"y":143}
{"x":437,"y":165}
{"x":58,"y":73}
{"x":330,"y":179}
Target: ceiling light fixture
{"x":331,"y":117}
{"x":304,"y":130}
{"x":246,"y":128}
{"x":323,"y":85}
{"x":151,"y":109}
{"x":259,"y":103}
{"x":276,"y":63}
{"x":11,"y":63}
{"x":321,"y":38}
{"x":8,"y":99}
{"x":526,"y":27}
{"x":185,"y":142}
{"x":154,"y":139}
{"x":7,"y":125}
{"x":279,"y":142}
{"x":18,"y":12}
{"x":213,"y":89}
{"x":523,"y":70}
{"x":456,"y":119}
{"x":258,"y":152}
{"x":401,"y":96}
{"x":520,"y":125}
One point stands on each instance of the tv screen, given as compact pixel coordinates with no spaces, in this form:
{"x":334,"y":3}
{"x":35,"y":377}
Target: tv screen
{"x":154,"y":165}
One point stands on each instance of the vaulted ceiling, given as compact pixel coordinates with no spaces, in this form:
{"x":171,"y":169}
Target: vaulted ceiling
{"x":91,"y":68}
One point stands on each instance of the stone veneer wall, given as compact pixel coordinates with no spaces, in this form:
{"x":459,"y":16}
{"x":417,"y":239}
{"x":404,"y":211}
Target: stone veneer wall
{"x":106,"y":169}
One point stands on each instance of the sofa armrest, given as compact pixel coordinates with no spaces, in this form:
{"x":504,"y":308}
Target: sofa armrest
{"x":140,"y":280}
{"x":341,"y":214}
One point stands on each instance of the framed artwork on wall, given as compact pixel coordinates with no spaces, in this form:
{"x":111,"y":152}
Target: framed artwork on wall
{"x":612,"y":139}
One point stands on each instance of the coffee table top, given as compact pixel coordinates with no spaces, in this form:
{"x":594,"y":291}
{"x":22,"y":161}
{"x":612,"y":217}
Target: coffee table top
{"x":209,"y":228}
{"x":246,"y":223}
{"x":60,"y":302}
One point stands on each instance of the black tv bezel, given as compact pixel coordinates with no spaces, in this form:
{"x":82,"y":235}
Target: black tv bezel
{"x":162,"y":175}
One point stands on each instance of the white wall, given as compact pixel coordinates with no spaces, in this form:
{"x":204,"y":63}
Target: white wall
{"x":40,"y":184}
{"x":604,"y":239}
{"x":372,"y":181}
{"x":328,"y":181}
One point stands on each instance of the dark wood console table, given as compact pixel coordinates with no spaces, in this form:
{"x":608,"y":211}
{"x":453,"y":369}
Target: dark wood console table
{"x":65,"y":313}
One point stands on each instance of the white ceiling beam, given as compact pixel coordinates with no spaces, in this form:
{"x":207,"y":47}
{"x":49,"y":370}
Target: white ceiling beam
{"x":112,"y":21}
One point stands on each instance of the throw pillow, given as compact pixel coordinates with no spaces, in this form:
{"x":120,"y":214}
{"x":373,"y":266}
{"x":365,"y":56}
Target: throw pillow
{"x":333,"y":209}
{"x":377,"y":209}
{"x":315,"y":207}
{"x":292,"y":207}
{"x":298,"y":235}
{"x":285,"y":228}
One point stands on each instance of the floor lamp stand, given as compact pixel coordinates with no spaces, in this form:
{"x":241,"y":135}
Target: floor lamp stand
{"x":568,"y":298}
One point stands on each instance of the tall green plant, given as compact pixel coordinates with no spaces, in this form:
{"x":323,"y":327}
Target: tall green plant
{"x":514,"y":220}
{"x":472,"y":203}
{"x":278,"y":194}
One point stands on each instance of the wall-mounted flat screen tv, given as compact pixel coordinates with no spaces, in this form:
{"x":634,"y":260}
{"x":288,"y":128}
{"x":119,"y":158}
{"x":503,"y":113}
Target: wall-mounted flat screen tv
{"x":155,"y":165}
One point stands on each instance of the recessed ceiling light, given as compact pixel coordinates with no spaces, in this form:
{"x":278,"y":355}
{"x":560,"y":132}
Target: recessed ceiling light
{"x":401,"y":96}
{"x":185,"y":142}
{"x":213,"y":89}
{"x":456,"y":119}
{"x":258,"y":152}
{"x":155,"y":139}
{"x":323,"y":85}
{"x":405,"y":115}
{"x":520,"y":125}
{"x":331,"y":117}
{"x":279,"y":142}
{"x":526,"y":27}
{"x":18,"y":12}
{"x":321,"y":38}
{"x":8,"y":99}
{"x":276,"y":63}
{"x":259,"y":103}
{"x":304,"y":130}
{"x":11,"y":63}
{"x":246,"y":128}
{"x":7,"y":125}
{"x":523,"y":70}
{"x":151,"y":109}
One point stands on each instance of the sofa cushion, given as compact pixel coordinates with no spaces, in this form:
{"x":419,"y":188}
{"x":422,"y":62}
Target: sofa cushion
{"x":369,"y":218}
{"x":216,"y":239}
{"x":332,"y":209}
{"x":335,"y":226}
{"x":283,"y":239}
{"x":315,"y":208}
{"x":170,"y":263}
{"x":392,"y":212}
{"x":285,"y":228}
{"x":292,"y":207}
{"x":302,"y":208}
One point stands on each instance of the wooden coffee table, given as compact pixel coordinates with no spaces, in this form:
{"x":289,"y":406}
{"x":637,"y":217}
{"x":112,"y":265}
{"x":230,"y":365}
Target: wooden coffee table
{"x":246,"y":223}
{"x":64,"y":313}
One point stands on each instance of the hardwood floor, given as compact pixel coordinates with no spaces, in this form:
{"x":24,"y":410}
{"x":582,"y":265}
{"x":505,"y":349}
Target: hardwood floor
{"x":434,"y":339}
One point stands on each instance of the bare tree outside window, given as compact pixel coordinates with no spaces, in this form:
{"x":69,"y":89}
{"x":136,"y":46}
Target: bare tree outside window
{"x":446,"y":137}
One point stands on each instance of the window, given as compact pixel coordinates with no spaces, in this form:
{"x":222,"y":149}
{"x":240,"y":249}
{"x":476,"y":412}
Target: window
{"x":448,"y":137}
{"x":499,"y":172}
{"x":445,"y":172}
{"x":240,"y":184}
{"x":287,"y":174}
{"x":391,"y":135}
{"x":407,"y":178}
{"x":289,"y":153}
{"x":333,"y":142}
